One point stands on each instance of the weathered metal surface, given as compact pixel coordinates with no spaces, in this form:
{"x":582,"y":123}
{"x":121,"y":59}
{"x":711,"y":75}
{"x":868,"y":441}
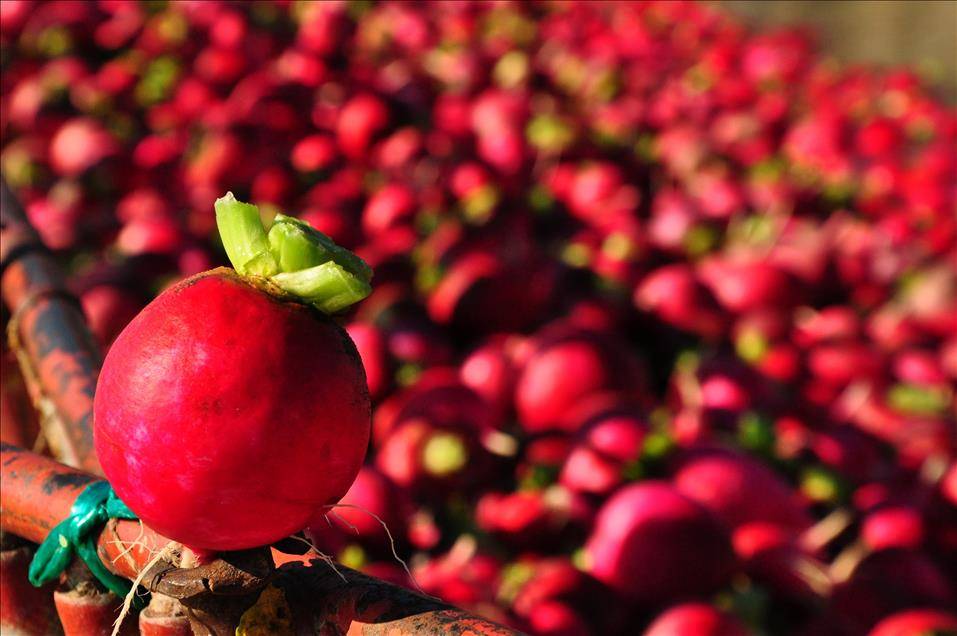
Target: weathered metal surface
{"x":216,"y":594}
{"x":89,"y":613}
{"x":38,"y":493}
{"x":24,"y":609}
{"x":60,"y":362}
{"x":164,"y":617}
{"x":57,"y":354}
{"x":348,"y":602}
{"x":18,"y":419}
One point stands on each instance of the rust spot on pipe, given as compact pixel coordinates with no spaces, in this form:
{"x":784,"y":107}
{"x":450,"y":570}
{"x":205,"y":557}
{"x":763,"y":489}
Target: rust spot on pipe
{"x":58,"y":356}
{"x":38,"y":493}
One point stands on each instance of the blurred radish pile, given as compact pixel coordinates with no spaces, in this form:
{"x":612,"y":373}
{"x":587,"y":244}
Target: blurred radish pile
{"x":663,"y":333}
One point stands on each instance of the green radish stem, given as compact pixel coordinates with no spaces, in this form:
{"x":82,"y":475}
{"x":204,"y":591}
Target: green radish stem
{"x":299,"y":260}
{"x":244,"y":237}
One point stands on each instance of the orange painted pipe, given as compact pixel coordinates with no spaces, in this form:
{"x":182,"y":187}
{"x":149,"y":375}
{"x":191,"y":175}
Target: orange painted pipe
{"x":60,"y":352}
{"x":24,"y":609}
{"x":38,"y":493}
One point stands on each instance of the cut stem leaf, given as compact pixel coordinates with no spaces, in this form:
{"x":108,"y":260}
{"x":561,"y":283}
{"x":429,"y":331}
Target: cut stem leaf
{"x":297,"y":245}
{"x":328,"y":287}
{"x":244,"y":237}
{"x":298,"y":259}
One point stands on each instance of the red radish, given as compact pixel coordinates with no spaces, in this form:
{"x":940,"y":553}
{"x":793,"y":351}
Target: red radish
{"x":743,"y":284}
{"x":611,"y":438}
{"x":217,"y":155}
{"x":853,"y":453}
{"x":490,"y":372}
{"x":888,"y":581}
{"x":549,"y":579}
{"x":533,"y":518}
{"x":154,"y":150}
{"x":370,"y":343}
{"x":772,"y":555}
{"x":143,"y":203}
{"x":359,"y":120}
{"x":893,"y":527}
{"x":568,"y":365}
{"x":150,"y":236}
{"x":439,"y":398}
{"x":916,"y":622}
{"x":840,"y":364}
{"x":228,"y":411}
{"x":739,"y":489}
{"x":391,"y":205}
{"x":652,"y":544}
{"x":520,"y":518}
{"x":425,"y":458}
{"x":56,"y":219}
{"x":478,"y":283}
{"x":722,"y":392}
{"x":355,"y":519}
{"x":271,"y":185}
{"x":423,"y":533}
{"x":553,"y":618}
{"x":695,"y":619}
{"x":108,"y":310}
{"x":461,"y":576}
{"x":531,"y":583}
{"x":780,"y":362}
{"x":79,"y":145}
{"x":755,"y":331}
{"x":948,"y":484}
{"x":398,"y":149}
{"x":676,"y":297}
{"x":429,"y":436}
{"x":673,"y":219}
{"x":418,"y":343}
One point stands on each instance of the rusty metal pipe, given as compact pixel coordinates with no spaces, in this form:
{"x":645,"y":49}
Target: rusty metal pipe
{"x":57,"y":353}
{"x":348,"y":602}
{"x":38,"y":492}
{"x":61,"y":363}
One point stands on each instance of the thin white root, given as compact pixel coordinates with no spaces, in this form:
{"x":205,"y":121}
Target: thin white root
{"x":395,"y":554}
{"x":342,"y":520}
{"x":167,"y":551}
{"x":323,"y":556}
{"x":136,"y":542}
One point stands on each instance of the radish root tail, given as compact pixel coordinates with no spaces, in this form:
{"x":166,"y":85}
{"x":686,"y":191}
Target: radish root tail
{"x":388,"y":533}
{"x":167,"y":552}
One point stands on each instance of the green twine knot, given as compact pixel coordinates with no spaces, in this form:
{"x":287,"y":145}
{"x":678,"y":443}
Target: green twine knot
{"x":77,"y":534}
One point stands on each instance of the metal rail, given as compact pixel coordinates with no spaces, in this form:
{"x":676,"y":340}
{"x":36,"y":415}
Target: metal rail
{"x":38,"y":493}
{"x":60,"y":361}
{"x":57,"y":354}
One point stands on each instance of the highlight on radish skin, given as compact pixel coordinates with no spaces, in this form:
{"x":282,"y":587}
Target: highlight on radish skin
{"x":232,"y":408}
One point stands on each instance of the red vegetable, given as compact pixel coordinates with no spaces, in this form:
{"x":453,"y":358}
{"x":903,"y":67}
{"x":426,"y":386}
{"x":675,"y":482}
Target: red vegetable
{"x":652,"y":544}
{"x":916,"y":622}
{"x":569,"y":365}
{"x":228,"y":412}
{"x":695,"y":619}
{"x":739,"y":489}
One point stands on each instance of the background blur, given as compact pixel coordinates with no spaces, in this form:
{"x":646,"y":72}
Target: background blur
{"x":920,"y":34}
{"x":664,"y":297}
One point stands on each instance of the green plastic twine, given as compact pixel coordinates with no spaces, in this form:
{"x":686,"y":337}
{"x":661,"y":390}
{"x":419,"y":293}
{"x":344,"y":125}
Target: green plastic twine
{"x":77,"y":534}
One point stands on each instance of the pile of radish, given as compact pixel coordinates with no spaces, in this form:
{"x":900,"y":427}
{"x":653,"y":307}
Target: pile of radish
{"x":662,"y":335}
